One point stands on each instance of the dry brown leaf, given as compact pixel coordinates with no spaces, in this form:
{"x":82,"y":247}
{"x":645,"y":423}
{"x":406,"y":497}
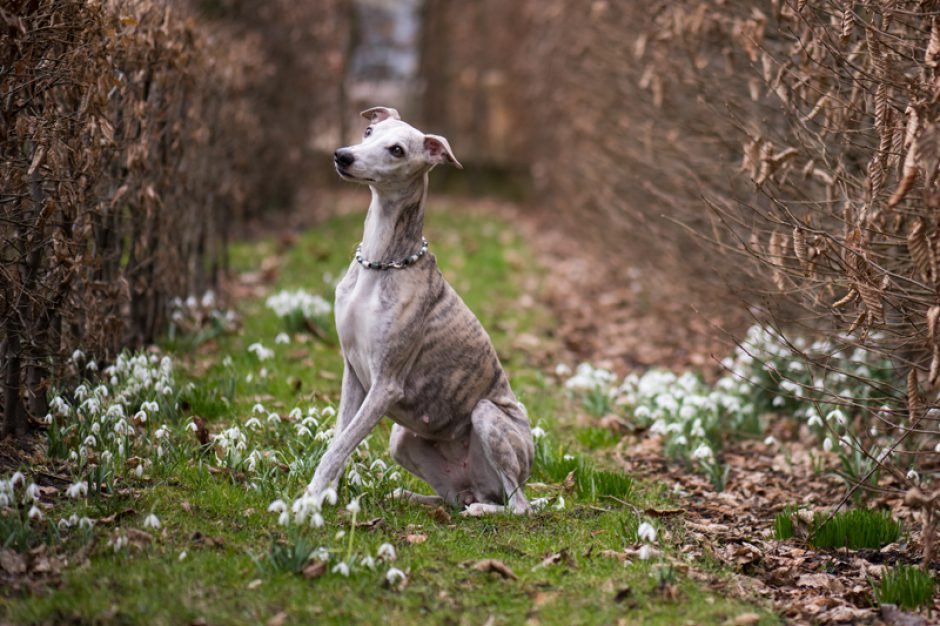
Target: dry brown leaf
{"x":495,"y":566}
{"x":314,"y":570}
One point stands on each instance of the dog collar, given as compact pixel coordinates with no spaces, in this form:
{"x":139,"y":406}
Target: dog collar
{"x":393,"y":265}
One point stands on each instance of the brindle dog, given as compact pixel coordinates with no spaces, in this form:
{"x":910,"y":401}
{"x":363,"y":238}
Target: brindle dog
{"x":413,"y":350}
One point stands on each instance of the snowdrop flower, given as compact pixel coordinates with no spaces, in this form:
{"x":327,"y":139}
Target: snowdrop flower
{"x":367,"y":561}
{"x":77,"y":356}
{"x":836,"y":415}
{"x":378,"y":463}
{"x":192,"y":426}
{"x":936,"y":448}
{"x":562,"y":370}
{"x":538,"y":432}
{"x":681,"y":441}
{"x":539,"y":503}
{"x":846,"y":441}
{"x":273,"y":418}
{"x":778,"y":401}
{"x":644,"y":552}
{"x":339,"y":535}
{"x":341,"y":568}
{"x":328,"y":411}
{"x":86,"y":523}
{"x":568,"y":457}
{"x":386,"y":552}
{"x":770,"y":441}
{"x":254,"y":423}
{"x":329,"y":496}
{"x":913,"y":475}
{"x":139,"y":470}
{"x":316,"y":520}
{"x":151,"y":521}
{"x":302,"y":431}
{"x":560,"y":504}
{"x":32,"y":491}
{"x":703,"y":452}
{"x":394,"y":575}
{"x":119,"y":543}
{"x":646,"y":532}
{"x":827,"y":444}
{"x":815,"y":420}
{"x":34,"y":513}
{"x":77,"y":490}
{"x":283,"y":519}
{"x":182,"y":555}
{"x":260,"y":351}
{"x":353,"y":506}
{"x":282,"y":338}
{"x":17,"y":478}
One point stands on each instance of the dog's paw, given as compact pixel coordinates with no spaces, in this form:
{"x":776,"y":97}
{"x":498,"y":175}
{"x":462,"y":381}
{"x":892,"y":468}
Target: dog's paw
{"x":477,"y":509}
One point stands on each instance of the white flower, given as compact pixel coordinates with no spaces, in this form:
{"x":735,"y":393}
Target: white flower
{"x":329,"y":495}
{"x":283,"y":519}
{"x":273,"y":418}
{"x":538,"y":432}
{"x":341,"y":568}
{"x":17,"y":477}
{"x":560,"y":504}
{"x":913,"y":475}
{"x":139,"y":470}
{"x":539,"y":503}
{"x":254,"y":423}
{"x":770,"y":441}
{"x":32,"y":491}
{"x":119,"y":542}
{"x":35,"y":513}
{"x":278,"y":506}
{"x":562,"y":370}
{"x":316,"y":520}
{"x":646,"y":532}
{"x":182,"y":555}
{"x":827,"y":444}
{"x":77,"y":490}
{"x":367,"y":561}
{"x":394,"y":575}
{"x":328,"y":411}
{"x":151,"y":521}
{"x":386,"y":552}
{"x":703,"y":452}
{"x":282,"y":338}
{"x":192,"y":426}
{"x":353,"y":506}
{"x":644,"y":552}
{"x":836,"y":415}
{"x":260,"y":351}
{"x":815,"y":420}
{"x":85,"y":523}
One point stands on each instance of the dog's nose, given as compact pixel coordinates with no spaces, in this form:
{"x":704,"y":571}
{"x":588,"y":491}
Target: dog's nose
{"x":343,"y":157}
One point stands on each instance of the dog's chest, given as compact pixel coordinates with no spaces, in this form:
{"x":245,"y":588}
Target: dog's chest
{"x":369,"y":317}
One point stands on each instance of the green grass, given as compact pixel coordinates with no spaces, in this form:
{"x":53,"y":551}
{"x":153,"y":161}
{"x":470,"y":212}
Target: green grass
{"x":240,"y":566}
{"x":906,"y":586}
{"x":855,"y":529}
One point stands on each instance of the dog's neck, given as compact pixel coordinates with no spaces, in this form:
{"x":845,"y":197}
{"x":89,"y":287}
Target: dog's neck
{"x":395,"y":221}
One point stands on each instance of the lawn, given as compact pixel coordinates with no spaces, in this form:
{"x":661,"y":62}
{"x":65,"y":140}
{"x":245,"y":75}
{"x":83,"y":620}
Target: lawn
{"x":264,"y":388}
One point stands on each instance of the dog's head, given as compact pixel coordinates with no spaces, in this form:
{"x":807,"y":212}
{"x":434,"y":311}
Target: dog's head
{"x":391,"y":152}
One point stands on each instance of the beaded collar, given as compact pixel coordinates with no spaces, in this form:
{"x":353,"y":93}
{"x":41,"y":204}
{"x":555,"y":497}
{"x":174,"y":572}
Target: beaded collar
{"x":393,"y":265}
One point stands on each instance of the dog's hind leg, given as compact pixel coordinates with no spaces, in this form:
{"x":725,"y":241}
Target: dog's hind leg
{"x":419,"y":498}
{"x":507,"y":448}
{"x":426,"y":461}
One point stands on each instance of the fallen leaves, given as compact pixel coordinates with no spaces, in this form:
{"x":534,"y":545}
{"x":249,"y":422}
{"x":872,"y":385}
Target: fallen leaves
{"x":496,"y":567}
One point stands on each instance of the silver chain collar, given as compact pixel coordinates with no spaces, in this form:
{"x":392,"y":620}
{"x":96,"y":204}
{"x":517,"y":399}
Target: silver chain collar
{"x":392,"y":265}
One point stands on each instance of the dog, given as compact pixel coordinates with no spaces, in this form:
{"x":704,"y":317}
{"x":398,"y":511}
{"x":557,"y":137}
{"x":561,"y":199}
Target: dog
{"x":413,"y":351}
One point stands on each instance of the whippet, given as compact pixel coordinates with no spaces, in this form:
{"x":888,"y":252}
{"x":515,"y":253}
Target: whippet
{"x":413,"y":350}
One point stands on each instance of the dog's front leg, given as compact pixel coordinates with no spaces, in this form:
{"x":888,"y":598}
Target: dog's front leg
{"x":381,"y":395}
{"x":350,"y":399}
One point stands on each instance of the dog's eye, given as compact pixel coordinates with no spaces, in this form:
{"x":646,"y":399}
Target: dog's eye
{"x":367,"y":132}
{"x":397,"y":151}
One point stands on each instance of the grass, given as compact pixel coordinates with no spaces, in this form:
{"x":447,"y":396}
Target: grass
{"x":220,"y":556}
{"x":855,"y":529}
{"x":906,"y":586}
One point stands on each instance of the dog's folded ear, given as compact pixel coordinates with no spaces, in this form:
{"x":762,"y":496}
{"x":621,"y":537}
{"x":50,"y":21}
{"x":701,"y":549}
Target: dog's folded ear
{"x":377,"y":114}
{"x":438,"y":151}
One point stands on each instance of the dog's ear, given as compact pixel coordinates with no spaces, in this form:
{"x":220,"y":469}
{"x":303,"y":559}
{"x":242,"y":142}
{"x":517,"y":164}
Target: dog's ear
{"x":438,"y":151}
{"x":377,"y":114}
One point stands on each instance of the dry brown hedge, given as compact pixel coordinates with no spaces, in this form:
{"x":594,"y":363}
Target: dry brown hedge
{"x":133,"y":137}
